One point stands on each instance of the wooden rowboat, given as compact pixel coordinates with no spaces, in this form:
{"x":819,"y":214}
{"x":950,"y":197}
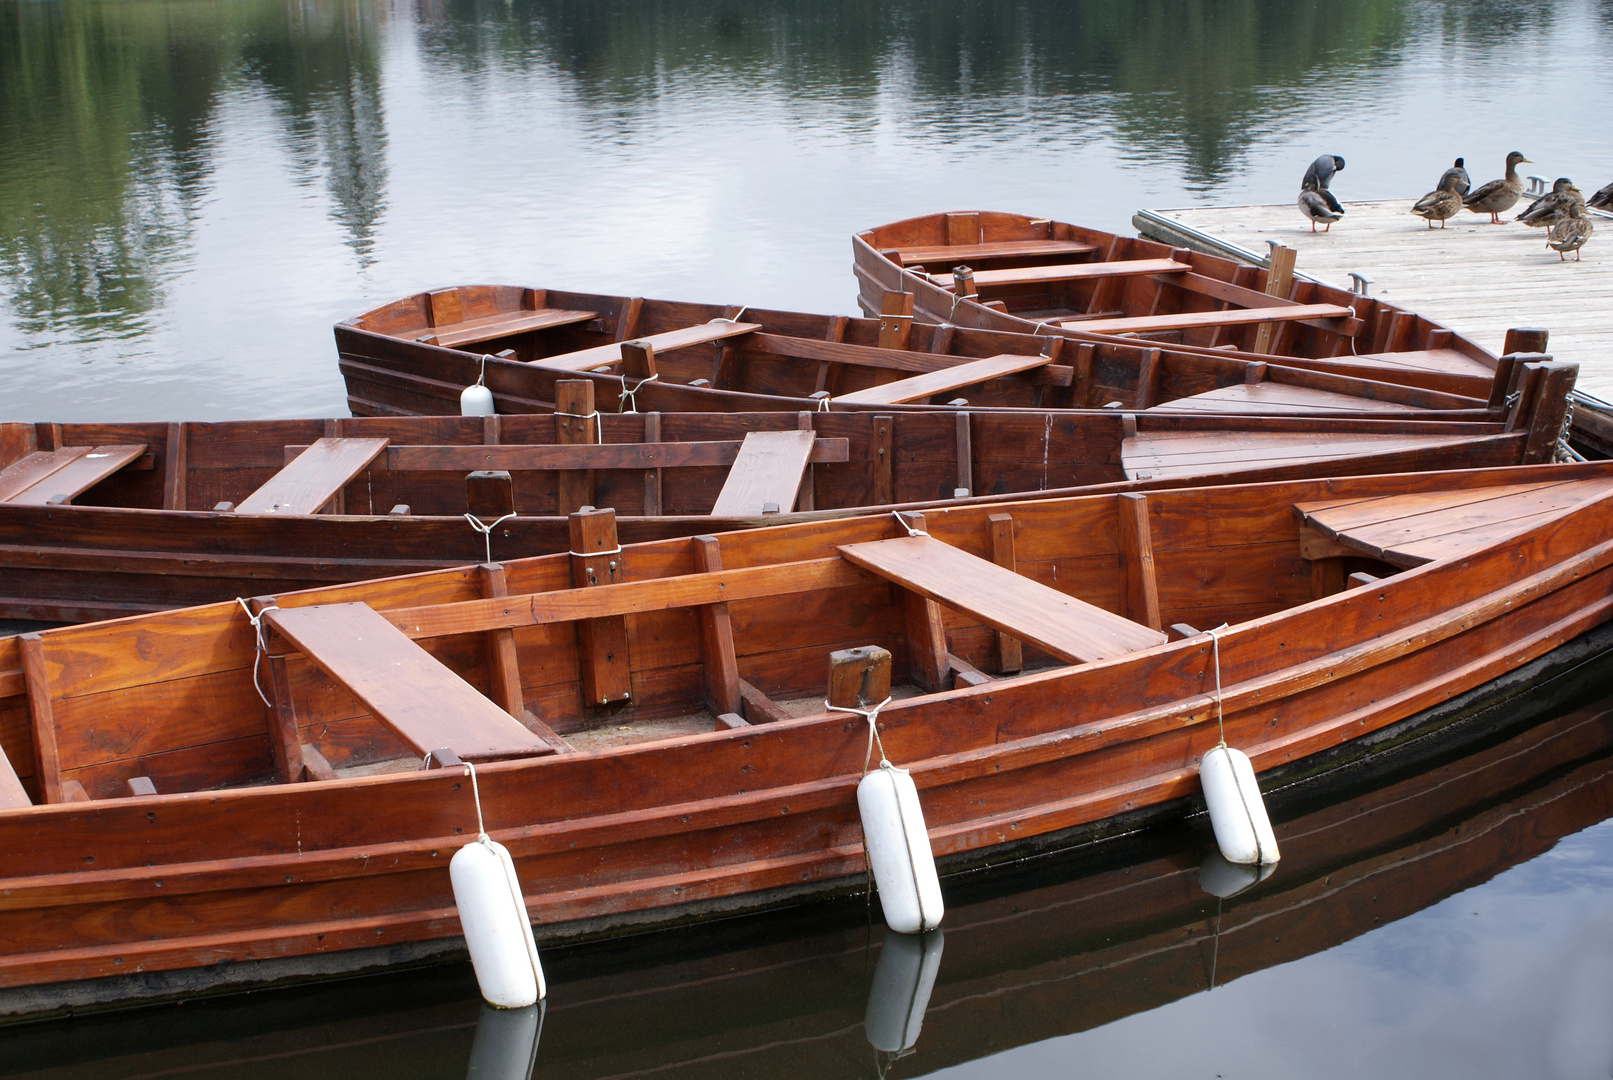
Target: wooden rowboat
{"x":415,"y":356}
{"x":1015,"y":273}
{"x":105,"y":520}
{"x":654,"y":744}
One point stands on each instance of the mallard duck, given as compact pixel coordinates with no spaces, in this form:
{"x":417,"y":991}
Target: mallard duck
{"x":1571,"y":232}
{"x":1441,"y":205}
{"x":1551,"y":208}
{"x":1319,"y":174}
{"x":1497,"y":195}
{"x":1602,"y":200}
{"x":1315,"y":207}
{"x":1459,"y":170}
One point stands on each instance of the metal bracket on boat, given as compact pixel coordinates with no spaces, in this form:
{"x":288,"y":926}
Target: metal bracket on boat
{"x":487,"y":530}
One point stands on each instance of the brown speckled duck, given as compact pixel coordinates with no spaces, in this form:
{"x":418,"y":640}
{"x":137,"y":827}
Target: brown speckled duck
{"x":1551,"y":208}
{"x":1570,"y":233}
{"x":1602,"y":200}
{"x":1443,"y":204}
{"x":1498,"y":195}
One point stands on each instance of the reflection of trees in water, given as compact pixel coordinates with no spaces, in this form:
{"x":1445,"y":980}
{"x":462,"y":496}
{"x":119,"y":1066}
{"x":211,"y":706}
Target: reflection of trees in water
{"x":1181,"y":80}
{"x":322,"y":66}
{"x":106,"y":139}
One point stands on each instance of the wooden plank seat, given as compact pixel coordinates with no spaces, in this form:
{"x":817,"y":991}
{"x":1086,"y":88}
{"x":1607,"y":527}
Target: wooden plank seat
{"x":528,"y":457}
{"x":943,"y":380}
{"x":1026,"y":275}
{"x":1070,"y":629}
{"x":313,"y":478}
{"x":953,"y":254}
{"x":1272,"y":397}
{"x":1409,"y":530}
{"x":1441,"y":361}
{"x":603,"y":355}
{"x":1165,"y":454}
{"x":768,"y":470}
{"x":1193,"y":320}
{"x":48,"y":476}
{"x":503,"y":324}
{"x":835,"y":352}
{"x":401,"y":685}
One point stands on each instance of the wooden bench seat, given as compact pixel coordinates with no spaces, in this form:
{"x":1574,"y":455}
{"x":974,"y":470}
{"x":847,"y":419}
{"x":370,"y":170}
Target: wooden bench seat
{"x":404,"y":687}
{"x":1166,"y":454}
{"x":503,"y":324}
{"x":1271,"y":397}
{"x":952,"y":254}
{"x":604,"y":456}
{"x":869,"y":356}
{"x":1192,"y":320}
{"x":768,"y":470}
{"x":602,"y":355}
{"x":943,"y":380}
{"x":1415,"y":528}
{"x":1070,"y":629}
{"x":61,"y":475}
{"x":1026,"y":275}
{"x":314,"y":478}
{"x":1440,"y":361}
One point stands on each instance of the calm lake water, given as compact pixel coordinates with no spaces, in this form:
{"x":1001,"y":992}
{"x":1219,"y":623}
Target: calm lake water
{"x":192,"y":192}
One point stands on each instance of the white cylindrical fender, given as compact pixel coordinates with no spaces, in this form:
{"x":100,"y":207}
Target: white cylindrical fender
{"x":1226,"y":880}
{"x":476,"y":400}
{"x":900,"y":994}
{"x":506,"y":1043}
{"x":899,"y":850}
{"x":497,"y":930}
{"x":1237,"y":813}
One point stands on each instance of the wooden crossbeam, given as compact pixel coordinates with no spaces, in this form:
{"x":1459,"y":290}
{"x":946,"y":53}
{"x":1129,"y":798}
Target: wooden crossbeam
{"x":1062,"y":625}
{"x":946,"y":379}
{"x":401,"y":685}
{"x":505,"y":323}
{"x":518,"y":458}
{"x":1000,"y":249}
{"x":601,"y":355}
{"x":1086,"y":271}
{"x":314,"y":478}
{"x":1189,"y":320}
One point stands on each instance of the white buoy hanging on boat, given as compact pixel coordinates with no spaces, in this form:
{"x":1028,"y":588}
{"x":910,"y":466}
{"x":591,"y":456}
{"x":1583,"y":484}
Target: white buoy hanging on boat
{"x":506,"y":1043}
{"x":899,"y":850}
{"x":900,"y":994}
{"x":1237,"y":812}
{"x":476,"y":399}
{"x":492,"y":913}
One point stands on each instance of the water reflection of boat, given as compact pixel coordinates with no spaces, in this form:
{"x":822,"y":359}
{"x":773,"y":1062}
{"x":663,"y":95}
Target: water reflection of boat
{"x":1057,"y":948}
{"x":1016,"y":273}
{"x":416,"y":354}
{"x":105,"y":520}
{"x":713,"y":778}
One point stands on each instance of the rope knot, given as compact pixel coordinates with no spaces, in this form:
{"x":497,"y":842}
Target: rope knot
{"x":628,"y":395}
{"x":872,"y":716}
{"x":487,"y":530}
{"x":261,"y":645}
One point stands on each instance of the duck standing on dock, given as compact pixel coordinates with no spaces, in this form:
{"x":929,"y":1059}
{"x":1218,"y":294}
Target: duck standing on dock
{"x":1602,"y":200}
{"x":1552,"y":207}
{"x":1318,"y":205}
{"x":1459,"y":170}
{"x":1498,"y":195}
{"x":1317,"y":176}
{"x":1441,"y":205}
{"x":1571,"y":232}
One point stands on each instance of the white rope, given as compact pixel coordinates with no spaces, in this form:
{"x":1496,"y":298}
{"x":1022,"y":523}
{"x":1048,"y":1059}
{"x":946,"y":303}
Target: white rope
{"x":599,"y":425}
{"x":1215,"y":645}
{"x":897,"y":514}
{"x":628,"y":395}
{"x":482,"y":374}
{"x":261,"y":645}
{"x":823,"y":404}
{"x":487,"y":530}
{"x":476,"y":793}
{"x":731,"y":322}
{"x":872,"y":716}
{"x":617,"y":550}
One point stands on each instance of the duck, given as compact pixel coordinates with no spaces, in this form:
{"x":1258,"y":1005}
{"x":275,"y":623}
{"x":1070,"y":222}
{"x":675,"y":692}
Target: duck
{"x":1497,"y":195}
{"x":1315,"y":207}
{"x":1570,"y":233}
{"x":1602,"y":200}
{"x":1551,"y":208}
{"x":1459,"y":170}
{"x":1442,"y":204}
{"x":1320,"y":173}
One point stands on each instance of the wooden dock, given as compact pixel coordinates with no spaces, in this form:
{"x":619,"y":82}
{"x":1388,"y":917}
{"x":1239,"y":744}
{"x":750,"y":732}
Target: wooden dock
{"x":1477,"y":278}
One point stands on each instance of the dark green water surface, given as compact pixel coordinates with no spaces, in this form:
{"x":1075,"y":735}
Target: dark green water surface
{"x":191,"y":192}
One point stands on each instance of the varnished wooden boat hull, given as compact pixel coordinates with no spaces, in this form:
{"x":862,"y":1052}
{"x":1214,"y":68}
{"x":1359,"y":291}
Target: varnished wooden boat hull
{"x":146,"y":538}
{"x":393,"y":364}
{"x":1380,"y":341}
{"x":691,"y":825}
